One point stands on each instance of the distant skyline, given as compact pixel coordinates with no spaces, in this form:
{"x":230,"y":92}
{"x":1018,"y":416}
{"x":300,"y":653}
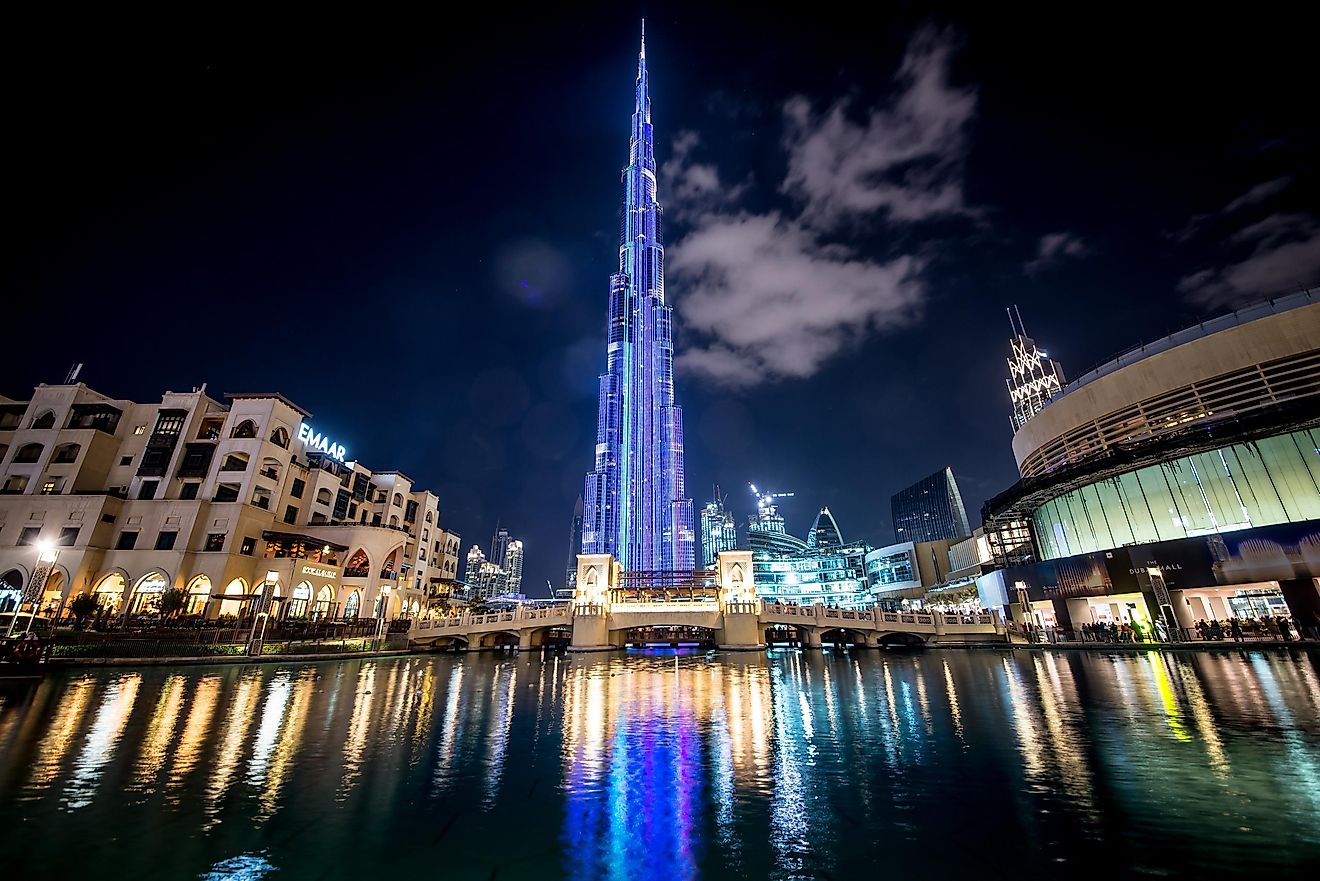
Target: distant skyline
{"x":408,"y":228}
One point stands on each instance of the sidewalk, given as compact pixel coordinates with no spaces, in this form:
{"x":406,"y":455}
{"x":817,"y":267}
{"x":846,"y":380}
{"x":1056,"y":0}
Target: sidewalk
{"x":1198,"y":645}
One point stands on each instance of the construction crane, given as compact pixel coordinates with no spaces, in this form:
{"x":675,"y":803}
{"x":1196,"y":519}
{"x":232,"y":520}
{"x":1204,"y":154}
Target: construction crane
{"x":767,"y":499}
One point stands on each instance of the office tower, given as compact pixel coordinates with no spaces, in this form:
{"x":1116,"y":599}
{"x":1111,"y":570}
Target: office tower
{"x":634,"y":505}
{"x":719,"y":532}
{"x":513,"y":566}
{"x":930,"y":510}
{"x":499,"y":545}
{"x":824,"y":531}
{"x":574,"y":545}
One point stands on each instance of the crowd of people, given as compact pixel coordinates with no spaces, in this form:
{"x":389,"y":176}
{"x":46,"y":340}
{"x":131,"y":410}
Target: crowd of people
{"x":1137,"y":631}
{"x":1239,"y":629}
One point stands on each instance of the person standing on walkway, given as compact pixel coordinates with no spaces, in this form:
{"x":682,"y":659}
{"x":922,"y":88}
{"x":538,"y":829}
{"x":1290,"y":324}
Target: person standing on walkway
{"x":1236,"y":627}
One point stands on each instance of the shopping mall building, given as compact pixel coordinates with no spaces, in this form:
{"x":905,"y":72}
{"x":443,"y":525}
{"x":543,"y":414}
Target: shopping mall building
{"x":1180,"y":481}
{"x":125,"y":500}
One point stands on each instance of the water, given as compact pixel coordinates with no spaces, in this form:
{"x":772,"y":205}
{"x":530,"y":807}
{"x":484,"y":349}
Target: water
{"x":940,"y":764}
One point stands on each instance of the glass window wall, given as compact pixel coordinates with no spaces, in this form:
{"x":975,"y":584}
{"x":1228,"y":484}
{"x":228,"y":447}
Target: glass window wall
{"x":1274,"y":480}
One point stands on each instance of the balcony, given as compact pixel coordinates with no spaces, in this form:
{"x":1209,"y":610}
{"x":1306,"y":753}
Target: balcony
{"x":389,"y":574}
{"x":357,"y":572}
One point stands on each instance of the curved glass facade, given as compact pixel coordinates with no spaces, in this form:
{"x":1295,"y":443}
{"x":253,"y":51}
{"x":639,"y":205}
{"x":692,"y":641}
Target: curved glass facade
{"x":1272,"y":480}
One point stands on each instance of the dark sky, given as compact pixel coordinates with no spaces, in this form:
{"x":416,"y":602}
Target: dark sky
{"x":407,"y":226}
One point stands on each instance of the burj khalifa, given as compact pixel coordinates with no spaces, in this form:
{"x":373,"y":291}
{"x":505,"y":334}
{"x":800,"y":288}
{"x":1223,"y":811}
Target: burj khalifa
{"x":634,"y":504}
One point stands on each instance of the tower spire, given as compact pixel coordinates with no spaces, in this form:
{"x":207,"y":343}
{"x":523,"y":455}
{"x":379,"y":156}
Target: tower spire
{"x":643,"y":55}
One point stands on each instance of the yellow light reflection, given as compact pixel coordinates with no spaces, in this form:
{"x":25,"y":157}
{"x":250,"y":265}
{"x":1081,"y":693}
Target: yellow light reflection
{"x":159,"y":734}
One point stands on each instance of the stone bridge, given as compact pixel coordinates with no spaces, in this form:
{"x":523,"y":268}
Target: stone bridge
{"x":731,"y":614}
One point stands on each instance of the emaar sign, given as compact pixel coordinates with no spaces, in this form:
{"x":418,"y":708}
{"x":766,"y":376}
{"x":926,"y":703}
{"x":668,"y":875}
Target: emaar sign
{"x":314,"y":440}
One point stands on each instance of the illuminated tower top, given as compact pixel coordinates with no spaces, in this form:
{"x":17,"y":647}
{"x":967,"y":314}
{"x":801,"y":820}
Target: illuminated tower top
{"x":1034,"y":379}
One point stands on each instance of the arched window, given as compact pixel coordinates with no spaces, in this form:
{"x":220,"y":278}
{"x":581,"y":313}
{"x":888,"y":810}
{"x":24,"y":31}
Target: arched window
{"x":67,"y":453}
{"x":428,"y":516}
{"x":45,"y":420}
{"x":199,"y":592}
{"x":11,"y":589}
{"x":394,"y":519}
{"x":353,"y":605}
{"x":146,"y":594}
{"x":323,"y":496}
{"x":358,"y":565}
{"x":270,"y":468}
{"x":235,"y":462}
{"x":110,"y":592}
{"x":324,"y":600}
{"x":280,"y":437}
{"x":302,"y":594}
{"x":246,"y":428}
{"x":28,"y":453}
{"x":398,"y":500}
{"x":235,"y":588}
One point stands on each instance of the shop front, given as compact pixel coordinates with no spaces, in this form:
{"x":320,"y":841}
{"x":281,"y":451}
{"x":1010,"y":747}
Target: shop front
{"x":1260,"y":573}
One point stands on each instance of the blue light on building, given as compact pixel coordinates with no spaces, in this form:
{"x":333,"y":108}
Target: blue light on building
{"x":634,"y":506}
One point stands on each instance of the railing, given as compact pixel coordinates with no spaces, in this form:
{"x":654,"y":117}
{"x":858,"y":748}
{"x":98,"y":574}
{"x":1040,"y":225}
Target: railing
{"x":357,"y":572}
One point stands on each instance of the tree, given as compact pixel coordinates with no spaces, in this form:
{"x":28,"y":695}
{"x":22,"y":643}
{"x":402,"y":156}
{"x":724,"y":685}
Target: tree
{"x":82,"y":606}
{"x":171,"y":602}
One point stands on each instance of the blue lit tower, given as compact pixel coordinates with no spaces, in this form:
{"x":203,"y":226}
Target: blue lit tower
{"x":634,"y":506}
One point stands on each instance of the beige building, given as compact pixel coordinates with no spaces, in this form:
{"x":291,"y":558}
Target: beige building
{"x":213,"y":498}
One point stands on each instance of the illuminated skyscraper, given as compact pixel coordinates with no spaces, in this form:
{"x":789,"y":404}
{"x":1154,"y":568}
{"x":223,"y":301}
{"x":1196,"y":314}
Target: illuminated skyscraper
{"x":634,"y":502}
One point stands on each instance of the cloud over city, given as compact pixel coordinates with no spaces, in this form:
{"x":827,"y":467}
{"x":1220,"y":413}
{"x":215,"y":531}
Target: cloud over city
{"x":1053,"y":249}
{"x":775,"y":294}
{"x":1267,"y":257}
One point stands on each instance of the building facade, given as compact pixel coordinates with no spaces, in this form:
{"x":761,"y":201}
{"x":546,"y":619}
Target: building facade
{"x":930,"y":510}
{"x":216,"y":499}
{"x":1183,"y":476}
{"x":635,"y":506}
{"x":786,"y":569}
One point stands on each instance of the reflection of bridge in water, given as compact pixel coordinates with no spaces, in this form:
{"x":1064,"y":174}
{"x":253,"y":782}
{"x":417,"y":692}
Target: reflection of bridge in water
{"x":612,"y":609}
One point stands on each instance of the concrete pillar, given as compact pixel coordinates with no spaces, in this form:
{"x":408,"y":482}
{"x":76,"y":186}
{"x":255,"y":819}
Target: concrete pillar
{"x":525,"y":640}
{"x":810,"y":637}
{"x":741,"y":631}
{"x":1303,"y":598}
{"x":1185,"y":608}
{"x":590,"y":630}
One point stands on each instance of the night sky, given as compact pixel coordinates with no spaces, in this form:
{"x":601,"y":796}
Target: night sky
{"x":408,"y":225}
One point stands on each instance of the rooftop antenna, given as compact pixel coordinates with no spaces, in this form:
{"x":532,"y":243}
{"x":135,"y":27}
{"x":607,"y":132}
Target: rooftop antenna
{"x":1022,"y":327}
{"x":73,"y":374}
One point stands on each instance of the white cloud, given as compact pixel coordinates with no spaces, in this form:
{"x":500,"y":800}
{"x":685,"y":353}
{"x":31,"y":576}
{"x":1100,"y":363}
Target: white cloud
{"x":1053,"y":248}
{"x":1285,"y":256}
{"x":770,"y":301}
{"x":689,"y":187}
{"x":906,"y":160}
{"x":775,"y":295}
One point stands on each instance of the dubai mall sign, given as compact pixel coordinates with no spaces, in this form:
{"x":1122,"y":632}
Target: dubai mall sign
{"x":313,"y":440}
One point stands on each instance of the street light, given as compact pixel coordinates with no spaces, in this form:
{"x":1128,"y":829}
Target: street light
{"x":255,"y":639}
{"x":384,"y":610}
{"x":47,"y":554}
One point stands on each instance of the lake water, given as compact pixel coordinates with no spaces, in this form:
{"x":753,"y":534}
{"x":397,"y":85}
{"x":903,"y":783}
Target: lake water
{"x":979,"y":764}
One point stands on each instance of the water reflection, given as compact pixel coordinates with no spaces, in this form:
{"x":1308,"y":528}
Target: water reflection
{"x":788,"y":766}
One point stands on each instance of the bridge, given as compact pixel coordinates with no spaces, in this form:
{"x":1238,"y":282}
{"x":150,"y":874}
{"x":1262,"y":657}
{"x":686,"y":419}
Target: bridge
{"x":611,"y":610}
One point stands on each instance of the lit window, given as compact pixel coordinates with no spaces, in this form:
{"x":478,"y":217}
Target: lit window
{"x":139,"y":429}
